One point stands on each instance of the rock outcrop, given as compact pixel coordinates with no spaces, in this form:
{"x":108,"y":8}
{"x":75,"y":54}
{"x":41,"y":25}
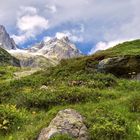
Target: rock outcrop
{"x":67,"y":121}
{"x":6,"y":42}
{"x":121,"y":66}
{"x":56,"y":49}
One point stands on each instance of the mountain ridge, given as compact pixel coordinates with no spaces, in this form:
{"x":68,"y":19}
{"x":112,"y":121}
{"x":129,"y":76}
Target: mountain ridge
{"x":41,"y":54}
{"x":56,"y":49}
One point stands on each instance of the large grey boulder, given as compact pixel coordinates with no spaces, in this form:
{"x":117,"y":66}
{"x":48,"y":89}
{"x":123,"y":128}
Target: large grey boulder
{"x":67,"y":121}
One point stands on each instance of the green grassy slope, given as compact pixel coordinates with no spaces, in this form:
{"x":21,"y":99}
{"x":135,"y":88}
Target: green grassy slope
{"x":126,"y":48}
{"x":7,"y":59}
{"x":111,"y":106}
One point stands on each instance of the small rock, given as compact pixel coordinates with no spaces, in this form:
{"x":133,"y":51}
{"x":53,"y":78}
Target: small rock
{"x":67,"y":121}
{"x":44,"y":87}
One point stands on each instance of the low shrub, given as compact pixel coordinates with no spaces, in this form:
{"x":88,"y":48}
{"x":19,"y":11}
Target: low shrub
{"x":11,"y":118}
{"x":134,"y":103}
{"x":67,"y":95}
{"x":107,"y":126}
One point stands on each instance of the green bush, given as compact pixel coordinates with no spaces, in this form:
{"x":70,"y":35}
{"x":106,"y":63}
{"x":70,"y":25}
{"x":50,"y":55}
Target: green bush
{"x":66,"y":95}
{"x":11,"y":118}
{"x":134,"y":103}
{"x":107,"y":126}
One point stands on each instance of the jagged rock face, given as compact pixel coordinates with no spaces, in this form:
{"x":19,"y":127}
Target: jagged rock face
{"x":57,"y":49}
{"x":6,"y":42}
{"x":121,"y":66}
{"x":67,"y":121}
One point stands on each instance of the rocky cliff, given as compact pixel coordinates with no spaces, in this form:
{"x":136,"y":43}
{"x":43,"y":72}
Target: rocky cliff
{"x":6,"y":42}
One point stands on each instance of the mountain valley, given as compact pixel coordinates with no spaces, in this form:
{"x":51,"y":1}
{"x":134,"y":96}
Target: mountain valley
{"x":53,"y":92}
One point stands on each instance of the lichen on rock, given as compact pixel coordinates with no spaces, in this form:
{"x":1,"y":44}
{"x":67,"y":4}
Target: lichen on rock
{"x":67,"y":121}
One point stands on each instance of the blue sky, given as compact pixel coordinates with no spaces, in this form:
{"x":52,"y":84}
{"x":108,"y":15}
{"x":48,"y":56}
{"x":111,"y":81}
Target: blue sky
{"x":91,"y":24}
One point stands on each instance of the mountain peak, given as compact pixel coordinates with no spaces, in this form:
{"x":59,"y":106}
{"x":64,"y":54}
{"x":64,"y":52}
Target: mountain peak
{"x":55,"y":48}
{"x":2,"y":28}
{"x":6,"y":42}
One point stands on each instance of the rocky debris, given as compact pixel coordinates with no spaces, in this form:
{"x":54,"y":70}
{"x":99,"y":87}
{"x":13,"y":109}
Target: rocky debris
{"x":6,"y":42}
{"x":56,"y":49}
{"x":121,"y":66}
{"x":67,"y":121}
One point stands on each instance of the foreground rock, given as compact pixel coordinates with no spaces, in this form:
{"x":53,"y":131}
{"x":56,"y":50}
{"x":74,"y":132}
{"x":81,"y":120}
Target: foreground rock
{"x":121,"y":66}
{"x":67,"y":121}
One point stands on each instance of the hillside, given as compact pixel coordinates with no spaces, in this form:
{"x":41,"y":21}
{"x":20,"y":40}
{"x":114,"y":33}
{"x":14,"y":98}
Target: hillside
{"x":7,"y":59}
{"x":110,"y":105}
{"x":126,"y":48}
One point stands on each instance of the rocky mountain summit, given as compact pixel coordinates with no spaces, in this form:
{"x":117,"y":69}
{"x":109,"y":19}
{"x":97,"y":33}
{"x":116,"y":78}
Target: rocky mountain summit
{"x":6,"y":42}
{"x":56,"y":49}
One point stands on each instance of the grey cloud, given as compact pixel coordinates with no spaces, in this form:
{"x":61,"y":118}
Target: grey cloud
{"x":104,"y":20}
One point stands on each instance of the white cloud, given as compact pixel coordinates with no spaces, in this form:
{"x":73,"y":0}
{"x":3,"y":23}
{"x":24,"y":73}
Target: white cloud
{"x":47,"y":38}
{"x":102,"y":20}
{"x":20,"y":39}
{"x":71,"y":36}
{"x":51,"y":8}
{"x":29,"y":24}
{"x":60,"y":35}
{"x":30,"y":10}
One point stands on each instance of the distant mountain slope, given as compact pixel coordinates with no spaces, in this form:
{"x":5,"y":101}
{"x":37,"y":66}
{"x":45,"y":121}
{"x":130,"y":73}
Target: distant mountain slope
{"x":7,"y":59}
{"x":46,"y":54}
{"x":6,"y":42}
{"x":31,"y":60}
{"x":56,"y":49}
